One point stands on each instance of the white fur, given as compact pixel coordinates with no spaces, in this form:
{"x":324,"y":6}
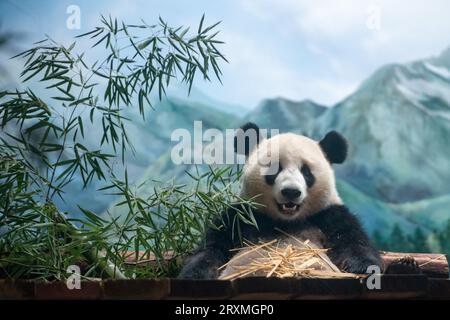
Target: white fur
{"x":291,"y":151}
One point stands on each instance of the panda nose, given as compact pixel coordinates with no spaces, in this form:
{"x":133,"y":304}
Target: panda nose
{"x":290,"y":193}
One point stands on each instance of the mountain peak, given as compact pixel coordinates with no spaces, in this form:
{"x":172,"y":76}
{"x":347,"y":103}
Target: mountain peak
{"x":277,"y":101}
{"x":287,"y":115}
{"x":444,"y":57}
{"x":395,"y":120}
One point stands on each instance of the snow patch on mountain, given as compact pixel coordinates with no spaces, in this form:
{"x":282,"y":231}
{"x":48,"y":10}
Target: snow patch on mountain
{"x":439,"y":71}
{"x":419,"y":89}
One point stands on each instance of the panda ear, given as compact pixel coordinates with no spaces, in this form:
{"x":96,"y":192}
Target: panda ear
{"x":334,"y":146}
{"x":247,"y":137}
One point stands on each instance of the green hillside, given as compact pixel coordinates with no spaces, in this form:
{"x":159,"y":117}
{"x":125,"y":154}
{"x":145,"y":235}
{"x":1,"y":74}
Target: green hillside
{"x":430,"y":213}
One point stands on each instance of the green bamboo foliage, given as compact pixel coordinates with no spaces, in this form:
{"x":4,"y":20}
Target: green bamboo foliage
{"x":42,"y":149}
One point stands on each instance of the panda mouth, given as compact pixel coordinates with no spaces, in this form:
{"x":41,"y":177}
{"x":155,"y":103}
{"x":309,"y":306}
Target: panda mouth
{"x":288,"y":208}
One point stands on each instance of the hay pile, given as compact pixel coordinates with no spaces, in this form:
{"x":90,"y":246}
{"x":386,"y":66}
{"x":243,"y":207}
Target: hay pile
{"x":288,"y":257}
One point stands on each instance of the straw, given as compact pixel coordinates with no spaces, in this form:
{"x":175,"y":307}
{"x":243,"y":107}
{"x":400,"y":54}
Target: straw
{"x":276,"y":258}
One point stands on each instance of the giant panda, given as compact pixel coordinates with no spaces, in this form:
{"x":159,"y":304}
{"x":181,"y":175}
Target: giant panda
{"x":299,"y":197}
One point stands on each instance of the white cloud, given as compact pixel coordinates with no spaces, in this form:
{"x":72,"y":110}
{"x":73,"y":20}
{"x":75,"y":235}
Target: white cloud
{"x":257,"y":72}
{"x":322,"y":17}
{"x":329,"y":18}
{"x":402,"y":23}
{"x":340,"y":34}
{"x":298,"y":49}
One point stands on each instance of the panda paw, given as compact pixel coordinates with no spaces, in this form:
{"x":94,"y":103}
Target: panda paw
{"x":405,"y":265}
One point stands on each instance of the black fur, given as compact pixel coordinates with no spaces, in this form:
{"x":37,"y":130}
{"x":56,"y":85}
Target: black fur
{"x":334,"y":146}
{"x":244,"y":134}
{"x":338,"y":229}
{"x":270,"y":178}
{"x":308,"y":175}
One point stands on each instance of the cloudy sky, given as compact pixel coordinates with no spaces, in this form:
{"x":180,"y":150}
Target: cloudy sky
{"x":319,"y":50}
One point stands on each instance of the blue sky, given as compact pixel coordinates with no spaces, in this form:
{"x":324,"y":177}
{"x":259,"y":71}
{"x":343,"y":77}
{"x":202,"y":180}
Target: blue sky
{"x":319,"y":50}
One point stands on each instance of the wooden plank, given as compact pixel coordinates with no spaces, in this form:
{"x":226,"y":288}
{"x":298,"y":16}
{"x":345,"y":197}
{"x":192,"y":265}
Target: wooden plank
{"x":432,"y":264}
{"x":199,"y":289}
{"x":265,"y":288}
{"x":16,"y":289}
{"x":136,"y":289}
{"x":392,"y":287}
{"x":89,"y":290}
{"x":331,"y":288}
{"x":438,"y":289}
{"x":397,"y":287}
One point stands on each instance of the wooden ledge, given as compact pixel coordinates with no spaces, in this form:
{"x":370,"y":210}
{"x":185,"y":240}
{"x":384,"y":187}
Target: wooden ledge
{"x":434,"y":265}
{"x":392,"y":287}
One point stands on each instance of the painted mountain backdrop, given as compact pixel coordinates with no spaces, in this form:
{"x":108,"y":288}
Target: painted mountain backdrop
{"x":397,"y":123}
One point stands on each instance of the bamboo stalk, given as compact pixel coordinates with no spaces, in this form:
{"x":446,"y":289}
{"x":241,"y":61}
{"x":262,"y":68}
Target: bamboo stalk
{"x":94,"y":256}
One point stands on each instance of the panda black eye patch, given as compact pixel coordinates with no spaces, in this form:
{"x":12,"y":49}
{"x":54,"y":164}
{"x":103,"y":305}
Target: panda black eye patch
{"x":270,"y":178}
{"x":307,"y":174}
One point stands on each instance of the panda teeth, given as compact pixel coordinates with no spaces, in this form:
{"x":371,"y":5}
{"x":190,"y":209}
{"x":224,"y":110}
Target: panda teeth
{"x":289,"y":207}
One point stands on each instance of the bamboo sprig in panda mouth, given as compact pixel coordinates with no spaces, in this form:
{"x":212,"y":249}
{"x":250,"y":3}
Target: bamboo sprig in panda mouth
{"x":273,"y":259}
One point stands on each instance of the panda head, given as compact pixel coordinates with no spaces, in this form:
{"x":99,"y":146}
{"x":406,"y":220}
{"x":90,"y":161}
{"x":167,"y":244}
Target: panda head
{"x":289,"y":175}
